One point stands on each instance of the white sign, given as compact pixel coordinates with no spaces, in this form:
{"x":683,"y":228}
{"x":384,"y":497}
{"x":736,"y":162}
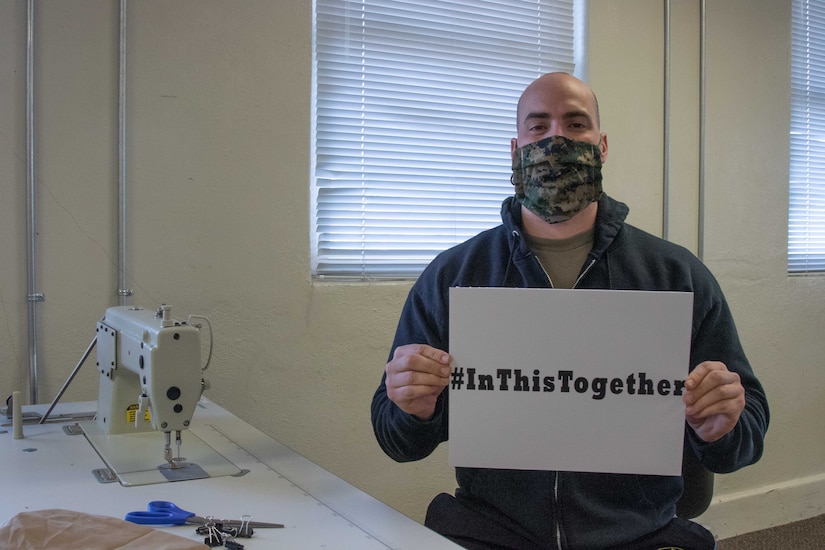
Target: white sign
{"x":572,"y":380}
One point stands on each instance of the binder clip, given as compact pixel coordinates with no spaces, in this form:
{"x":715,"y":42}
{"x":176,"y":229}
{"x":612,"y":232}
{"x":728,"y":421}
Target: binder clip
{"x":245,"y":529}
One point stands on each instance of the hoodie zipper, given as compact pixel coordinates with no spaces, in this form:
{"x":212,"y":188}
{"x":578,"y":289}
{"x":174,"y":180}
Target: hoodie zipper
{"x":556,"y":505}
{"x":584,"y":272}
{"x":578,"y":280}
{"x":556,"y":474}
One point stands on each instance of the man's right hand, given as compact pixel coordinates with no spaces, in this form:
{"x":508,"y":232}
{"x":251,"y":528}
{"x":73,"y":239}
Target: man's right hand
{"x":416,"y":376}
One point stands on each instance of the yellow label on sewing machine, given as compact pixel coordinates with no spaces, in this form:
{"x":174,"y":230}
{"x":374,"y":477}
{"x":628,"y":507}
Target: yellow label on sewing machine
{"x":131,"y":413}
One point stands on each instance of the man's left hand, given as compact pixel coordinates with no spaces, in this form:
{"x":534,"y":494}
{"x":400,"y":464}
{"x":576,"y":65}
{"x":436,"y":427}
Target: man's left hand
{"x":714,"y":399}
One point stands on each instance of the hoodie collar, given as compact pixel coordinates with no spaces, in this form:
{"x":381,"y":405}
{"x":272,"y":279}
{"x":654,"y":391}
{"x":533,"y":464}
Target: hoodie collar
{"x":609,"y":219}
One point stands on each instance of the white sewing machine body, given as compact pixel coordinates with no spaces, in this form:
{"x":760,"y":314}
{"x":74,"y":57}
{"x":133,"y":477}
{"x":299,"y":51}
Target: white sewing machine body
{"x":150,"y":371}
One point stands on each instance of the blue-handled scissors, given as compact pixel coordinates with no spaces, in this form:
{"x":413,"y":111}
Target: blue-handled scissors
{"x":163,"y":512}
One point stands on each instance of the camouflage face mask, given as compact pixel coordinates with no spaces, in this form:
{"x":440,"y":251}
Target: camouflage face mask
{"x":557,"y":177}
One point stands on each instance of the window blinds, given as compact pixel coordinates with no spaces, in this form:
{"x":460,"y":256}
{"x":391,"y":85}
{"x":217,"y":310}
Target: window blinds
{"x":806,"y":223}
{"x":414,"y":104}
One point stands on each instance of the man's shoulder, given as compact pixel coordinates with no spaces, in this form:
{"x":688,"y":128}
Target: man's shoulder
{"x":487,"y":249}
{"x":494,"y":236}
{"x":661,"y":261}
{"x":653,"y":244}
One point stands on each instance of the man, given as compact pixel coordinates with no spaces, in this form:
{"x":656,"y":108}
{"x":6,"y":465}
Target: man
{"x":561,"y":230}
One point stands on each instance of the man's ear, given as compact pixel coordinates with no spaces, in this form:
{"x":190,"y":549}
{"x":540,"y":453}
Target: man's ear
{"x":513,"y":146}
{"x":603,"y":147}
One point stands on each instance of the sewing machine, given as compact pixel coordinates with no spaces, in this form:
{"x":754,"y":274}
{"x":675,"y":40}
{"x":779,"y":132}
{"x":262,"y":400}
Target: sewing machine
{"x":150,"y":377}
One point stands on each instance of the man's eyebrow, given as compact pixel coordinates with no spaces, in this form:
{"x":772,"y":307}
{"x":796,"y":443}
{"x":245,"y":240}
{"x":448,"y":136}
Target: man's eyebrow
{"x":568,"y":115}
{"x":577,"y":114}
{"x":536,"y":115}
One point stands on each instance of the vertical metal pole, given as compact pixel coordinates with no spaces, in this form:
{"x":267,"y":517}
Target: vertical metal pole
{"x":123,"y":292}
{"x":666,"y":128}
{"x":700,"y":251}
{"x":32,"y":296}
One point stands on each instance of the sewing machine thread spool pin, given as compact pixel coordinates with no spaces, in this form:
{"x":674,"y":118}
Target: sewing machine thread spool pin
{"x":17,"y":415}
{"x":165,"y":314}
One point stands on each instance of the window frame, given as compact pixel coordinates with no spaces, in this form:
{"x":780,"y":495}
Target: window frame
{"x":806,"y":185}
{"x":495,"y":188}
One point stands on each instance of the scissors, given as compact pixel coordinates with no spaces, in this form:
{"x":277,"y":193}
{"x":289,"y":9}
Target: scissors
{"x":162,"y":512}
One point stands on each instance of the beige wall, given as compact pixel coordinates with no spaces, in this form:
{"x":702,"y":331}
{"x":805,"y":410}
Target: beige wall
{"x":218,"y":170}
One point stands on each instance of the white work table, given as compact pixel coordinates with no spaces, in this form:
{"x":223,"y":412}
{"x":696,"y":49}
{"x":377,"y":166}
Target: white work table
{"x":48,"y":468}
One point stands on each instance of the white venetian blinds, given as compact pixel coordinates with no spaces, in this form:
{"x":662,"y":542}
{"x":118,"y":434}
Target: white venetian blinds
{"x":806,"y":224}
{"x":414,"y":104}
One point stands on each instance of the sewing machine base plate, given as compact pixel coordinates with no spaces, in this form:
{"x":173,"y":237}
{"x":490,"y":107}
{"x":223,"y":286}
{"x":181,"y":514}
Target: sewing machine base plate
{"x":190,"y":471}
{"x":135,"y":458}
{"x":104,"y":475}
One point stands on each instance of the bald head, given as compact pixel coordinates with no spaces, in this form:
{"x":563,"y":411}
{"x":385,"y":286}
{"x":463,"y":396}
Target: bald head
{"x":559,"y":82}
{"x":558,"y":104}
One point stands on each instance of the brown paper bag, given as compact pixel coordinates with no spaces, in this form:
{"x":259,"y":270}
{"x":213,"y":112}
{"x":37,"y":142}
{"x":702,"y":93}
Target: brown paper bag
{"x":67,"y":530}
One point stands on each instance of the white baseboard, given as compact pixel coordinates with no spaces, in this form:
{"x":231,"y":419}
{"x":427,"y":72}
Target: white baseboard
{"x":747,"y":511}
